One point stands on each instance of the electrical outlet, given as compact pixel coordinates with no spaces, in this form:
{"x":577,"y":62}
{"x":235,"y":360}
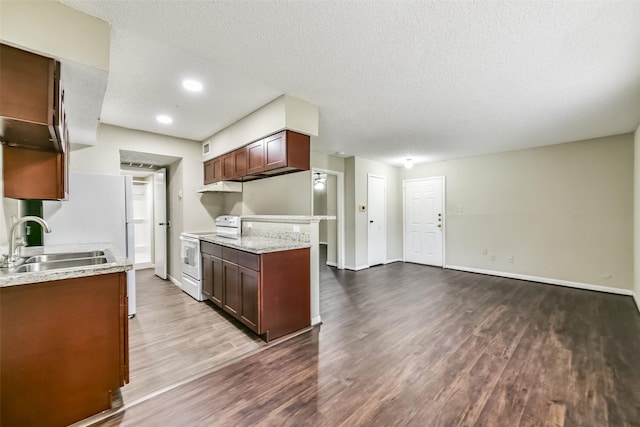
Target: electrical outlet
{"x":296,"y":228}
{"x":248,"y":224}
{"x":510,"y":259}
{"x":459,"y":208}
{"x":485,"y":251}
{"x":492,"y":257}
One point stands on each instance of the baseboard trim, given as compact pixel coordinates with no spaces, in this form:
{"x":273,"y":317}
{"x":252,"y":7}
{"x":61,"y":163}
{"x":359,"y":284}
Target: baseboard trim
{"x":636,"y":298}
{"x":174,"y":281}
{"x":332,"y":264}
{"x":358,"y":268}
{"x":389,"y":261}
{"x":142,"y":266}
{"x":545,"y":280}
{"x":316,"y":321}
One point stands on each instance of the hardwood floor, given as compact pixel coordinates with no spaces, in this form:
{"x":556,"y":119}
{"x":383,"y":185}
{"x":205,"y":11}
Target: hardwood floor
{"x":173,"y":337}
{"x":404,"y":344}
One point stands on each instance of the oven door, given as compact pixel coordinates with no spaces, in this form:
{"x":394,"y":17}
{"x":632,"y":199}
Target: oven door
{"x":190,"y":254}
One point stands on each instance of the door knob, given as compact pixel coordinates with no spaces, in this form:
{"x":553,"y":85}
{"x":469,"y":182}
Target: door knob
{"x":439,"y":225}
{"x":371,"y":222}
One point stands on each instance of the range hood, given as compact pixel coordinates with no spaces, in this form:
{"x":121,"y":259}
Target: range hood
{"x":222,"y":187}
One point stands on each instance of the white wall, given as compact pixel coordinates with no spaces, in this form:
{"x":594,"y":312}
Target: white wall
{"x":192,"y":212}
{"x":636,"y":215}
{"x":8,"y":208}
{"x":563,"y":212}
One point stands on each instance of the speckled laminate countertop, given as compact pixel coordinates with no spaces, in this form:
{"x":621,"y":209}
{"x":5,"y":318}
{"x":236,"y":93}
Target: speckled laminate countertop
{"x":256,"y":244}
{"x":116,"y":262}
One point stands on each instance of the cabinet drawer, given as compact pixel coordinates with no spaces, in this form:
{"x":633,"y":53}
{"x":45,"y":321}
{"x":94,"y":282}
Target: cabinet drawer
{"x":211,"y":249}
{"x":230,"y":255}
{"x":249,"y":260}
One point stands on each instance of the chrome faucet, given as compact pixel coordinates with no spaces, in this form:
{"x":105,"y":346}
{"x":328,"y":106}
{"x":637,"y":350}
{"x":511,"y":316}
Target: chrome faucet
{"x":10,"y":259}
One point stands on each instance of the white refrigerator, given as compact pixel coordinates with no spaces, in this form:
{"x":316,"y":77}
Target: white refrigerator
{"x":99,"y":209}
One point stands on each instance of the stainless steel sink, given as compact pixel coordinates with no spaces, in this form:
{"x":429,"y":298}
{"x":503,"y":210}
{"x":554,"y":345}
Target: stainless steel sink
{"x":63,"y":256}
{"x":56,"y":265}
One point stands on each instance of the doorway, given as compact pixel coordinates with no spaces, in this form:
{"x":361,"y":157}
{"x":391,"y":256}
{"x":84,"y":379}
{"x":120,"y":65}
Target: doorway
{"x":327,"y":187}
{"x":377,"y":219}
{"x":424,"y":220}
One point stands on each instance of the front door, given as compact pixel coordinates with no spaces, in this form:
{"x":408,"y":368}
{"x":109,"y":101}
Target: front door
{"x":424,"y":221}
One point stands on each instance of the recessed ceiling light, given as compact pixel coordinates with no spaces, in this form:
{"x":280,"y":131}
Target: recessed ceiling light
{"x":164,"y":119}
{"x":408,"y":163}
{"x":192,"y":85}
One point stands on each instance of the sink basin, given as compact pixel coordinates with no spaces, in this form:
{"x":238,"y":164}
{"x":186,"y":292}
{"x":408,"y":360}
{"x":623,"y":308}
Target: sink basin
{"x":63,"y":256}
{"x":56,"y":265}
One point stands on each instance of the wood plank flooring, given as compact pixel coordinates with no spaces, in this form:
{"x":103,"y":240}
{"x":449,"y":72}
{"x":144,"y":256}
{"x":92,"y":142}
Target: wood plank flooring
{"x":404,"y":344}
{"x":173,"y":337}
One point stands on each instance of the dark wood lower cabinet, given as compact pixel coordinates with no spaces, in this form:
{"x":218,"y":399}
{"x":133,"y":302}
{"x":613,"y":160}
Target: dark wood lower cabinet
{"x":63,"y":349}
{"x":269,"y":293}
{"x":232,"y":300}
{"x":249,"y":283}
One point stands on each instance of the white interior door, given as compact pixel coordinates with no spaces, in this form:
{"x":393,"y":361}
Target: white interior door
{"x":377,"y":236}
{"x":160,"y":222}
{"x":424,"y":221}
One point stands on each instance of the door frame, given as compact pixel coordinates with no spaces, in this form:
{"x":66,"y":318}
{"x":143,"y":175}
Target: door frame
{"x":444,"y":215}
{"x":340,"y":255}
{"x":384,"y":178}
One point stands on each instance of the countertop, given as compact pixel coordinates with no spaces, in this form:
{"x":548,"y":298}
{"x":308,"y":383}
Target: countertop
{"x":256,"y":244}
{"x":288,"y":218}
{"x":117,"y":262}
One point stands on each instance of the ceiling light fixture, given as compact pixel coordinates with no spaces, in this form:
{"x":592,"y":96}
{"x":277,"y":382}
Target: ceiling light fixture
{"x":408,"y":163}
{"x":164,"y":119}
{"x":318,"y":182}
{"x":192,"y":85}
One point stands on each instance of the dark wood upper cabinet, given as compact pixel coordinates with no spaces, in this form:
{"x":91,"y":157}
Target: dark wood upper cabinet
{"x":32,"y":174}
{"x":32,"y":102}
{"x":255,"y":157}
{"x":228,"y":166}
{"x":240,"y":162}
{"x":286,"y":151}
{"x":212,"y":170}
{"x":208,"y":172}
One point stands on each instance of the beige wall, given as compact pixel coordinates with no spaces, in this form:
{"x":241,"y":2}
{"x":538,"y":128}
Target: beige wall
{"x":636,"y":213}
{"x":350,"y":210}
{"x":364,"y":167}
{"x":54,"y":29}
{"x":192,"y":212}
{"x":563,"y":212}
{"x":284,"y":112}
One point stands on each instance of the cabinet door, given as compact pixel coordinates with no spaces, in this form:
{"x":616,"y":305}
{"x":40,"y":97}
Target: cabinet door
{"x":228,"y":166}
{"x":207,"y":275}
{"x":208,"y":172}
{"x":217,"y":287}
{"x":255,"y":157}
{"x":217,"y":169}
{"x":32,"y":174}
{"x":249,"y":285}
{"x":240,"y":162}
{"x":275,"y":149}
{"x":231,"y":288}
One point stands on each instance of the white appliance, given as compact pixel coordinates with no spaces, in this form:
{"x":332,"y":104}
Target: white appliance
{"x":99,"y":209}
{"x":227,"y":226}
{"x":191,"y":268}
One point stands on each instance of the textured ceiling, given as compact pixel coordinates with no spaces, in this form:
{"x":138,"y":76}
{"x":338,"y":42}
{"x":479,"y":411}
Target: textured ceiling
{"x":430,"y":80}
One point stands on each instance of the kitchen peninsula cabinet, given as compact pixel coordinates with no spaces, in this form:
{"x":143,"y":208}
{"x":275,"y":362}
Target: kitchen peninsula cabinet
{"x":63,"y":350}
{"x":268,"y":293}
